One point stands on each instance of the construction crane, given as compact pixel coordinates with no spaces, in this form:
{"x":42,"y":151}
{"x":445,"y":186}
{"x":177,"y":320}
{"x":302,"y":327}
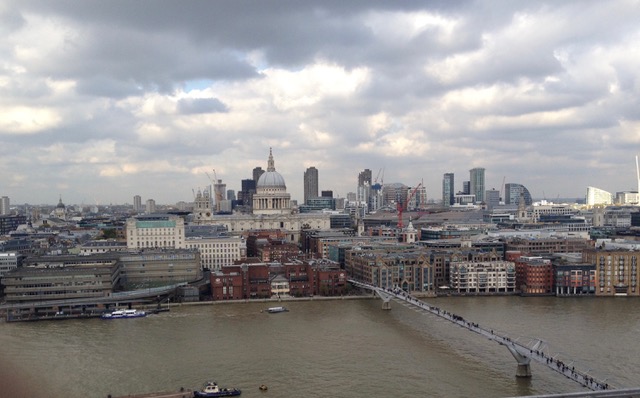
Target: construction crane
{"x":402,"y":207}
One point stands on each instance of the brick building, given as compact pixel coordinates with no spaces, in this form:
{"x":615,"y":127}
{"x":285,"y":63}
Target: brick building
{"x":534,"y":275}
{"x":298,"y":278}
{"x":616,"y":271}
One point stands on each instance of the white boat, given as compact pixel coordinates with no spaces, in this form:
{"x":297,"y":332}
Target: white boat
{"x":119,"y":314}
{"x":274,"y":310}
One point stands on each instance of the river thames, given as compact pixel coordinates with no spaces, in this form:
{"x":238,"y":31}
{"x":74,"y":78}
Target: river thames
{"x":342,"y":348}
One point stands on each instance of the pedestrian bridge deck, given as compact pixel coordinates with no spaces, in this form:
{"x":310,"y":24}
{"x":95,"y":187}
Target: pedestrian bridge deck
{"x":523,"y":353}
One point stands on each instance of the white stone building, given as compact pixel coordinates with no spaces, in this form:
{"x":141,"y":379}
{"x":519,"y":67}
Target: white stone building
{"x":161,"y":231}
{"x":217,"y":252}
{"x":482,"y":277}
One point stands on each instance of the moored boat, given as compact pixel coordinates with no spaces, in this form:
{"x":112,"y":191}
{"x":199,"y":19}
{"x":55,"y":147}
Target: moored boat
{"x":274,"y":310}
{"x":119,"y":314}
{"x":211,"y":389}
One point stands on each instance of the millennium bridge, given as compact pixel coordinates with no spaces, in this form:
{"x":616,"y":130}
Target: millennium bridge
{"x":522,"y":353}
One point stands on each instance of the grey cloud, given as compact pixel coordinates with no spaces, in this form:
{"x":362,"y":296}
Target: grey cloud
{"x":123,"y":56}
{"x":201,"y":105}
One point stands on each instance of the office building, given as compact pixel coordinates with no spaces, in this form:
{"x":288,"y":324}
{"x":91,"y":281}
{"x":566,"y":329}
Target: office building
{"x":8,"y":262}
{"x":596,"y":196}
{"x":476,"y":183}
{"x":512,"y":193}
{"x":257,"y":172}
{"x":492,"y":198}
{"x":448,"y":190}
{"x":153,"y":268}
{"x":246,"y":194}
{"x":11,"y":223}
{"x":162,"y":231}
{"x":310,"y":184}
{"x":627,"y":198}
{"x":466,"y":188}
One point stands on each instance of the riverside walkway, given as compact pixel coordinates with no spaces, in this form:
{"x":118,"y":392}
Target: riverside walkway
{"x":521,"y":352}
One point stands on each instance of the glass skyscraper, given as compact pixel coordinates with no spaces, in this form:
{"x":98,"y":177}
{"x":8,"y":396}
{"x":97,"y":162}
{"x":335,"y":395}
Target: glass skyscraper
{"x":476,"y":179}
{"x":448,"y":190}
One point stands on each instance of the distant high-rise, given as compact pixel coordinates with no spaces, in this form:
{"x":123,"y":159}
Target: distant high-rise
{"x":326,"y":194}
{"x":512,"y":193}
{"x":219,"y":194}
{"x":310,"y":184}
{"x":448,"y":190}
{"x":466,"y":187}
{"x":257,"y":172}
{"x":364,"y":178}
{"x":476,"y":182}
{"x":4,"y":206}
{"x":246,"y":194}
{"x":231,"y":194}
{"x":597,"y":196}
{"x":492,"y":198}
{"x":151,"y":206}
{"x":248,"y":185}
{"x":363,"y":190}
{"x":137,"y":203}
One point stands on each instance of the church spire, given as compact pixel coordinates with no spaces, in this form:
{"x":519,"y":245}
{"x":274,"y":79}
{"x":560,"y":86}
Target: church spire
{"x":271,"y":166}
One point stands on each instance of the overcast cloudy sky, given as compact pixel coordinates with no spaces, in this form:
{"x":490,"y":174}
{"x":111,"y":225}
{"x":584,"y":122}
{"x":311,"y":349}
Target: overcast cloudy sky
{"x":103,"y":100}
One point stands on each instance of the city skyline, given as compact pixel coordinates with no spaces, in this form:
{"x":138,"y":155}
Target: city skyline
{"x":141,"y":98}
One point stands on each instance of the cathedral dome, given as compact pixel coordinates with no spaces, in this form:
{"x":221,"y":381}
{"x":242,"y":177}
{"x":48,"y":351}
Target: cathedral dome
{"x":271,"y":179}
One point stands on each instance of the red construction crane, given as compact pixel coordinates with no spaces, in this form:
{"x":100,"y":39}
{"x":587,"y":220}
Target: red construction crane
{"x":402,"y":207}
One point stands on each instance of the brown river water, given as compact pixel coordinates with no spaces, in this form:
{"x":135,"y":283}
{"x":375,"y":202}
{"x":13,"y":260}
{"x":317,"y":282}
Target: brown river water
{"x":340,"y":348}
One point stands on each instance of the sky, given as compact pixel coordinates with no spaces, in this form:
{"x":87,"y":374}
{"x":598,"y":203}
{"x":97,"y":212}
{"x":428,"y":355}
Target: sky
{"x":104,"y":100}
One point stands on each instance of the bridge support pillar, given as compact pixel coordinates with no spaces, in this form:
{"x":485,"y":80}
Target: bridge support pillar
{"x":524,"y":363}
{"x":386,"y":300}
{"x":524,"y":370}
